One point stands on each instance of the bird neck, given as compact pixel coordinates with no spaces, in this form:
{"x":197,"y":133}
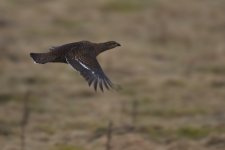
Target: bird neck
{"x":101,"y":47}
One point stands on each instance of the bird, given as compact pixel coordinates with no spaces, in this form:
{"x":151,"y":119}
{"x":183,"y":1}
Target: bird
{"x":82,"y":56}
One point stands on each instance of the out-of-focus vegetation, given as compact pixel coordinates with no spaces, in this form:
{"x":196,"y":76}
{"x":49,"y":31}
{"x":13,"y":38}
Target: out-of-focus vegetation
{"x":171,"y":69}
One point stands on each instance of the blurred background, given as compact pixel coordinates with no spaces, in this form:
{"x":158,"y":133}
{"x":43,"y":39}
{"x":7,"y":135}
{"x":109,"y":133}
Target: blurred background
{"x":171,"y":68}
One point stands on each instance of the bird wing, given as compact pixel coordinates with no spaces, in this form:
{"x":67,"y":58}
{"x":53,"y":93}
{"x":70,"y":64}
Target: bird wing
{"x":90,"y":69}
{"x":68,"y":46}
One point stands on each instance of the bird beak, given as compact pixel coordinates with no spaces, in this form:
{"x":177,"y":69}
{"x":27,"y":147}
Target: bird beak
{"x":118,"y":44}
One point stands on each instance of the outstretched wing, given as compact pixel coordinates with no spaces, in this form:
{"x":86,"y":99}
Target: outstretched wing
{"x":66,"y":47}
{"x":90,"y":69}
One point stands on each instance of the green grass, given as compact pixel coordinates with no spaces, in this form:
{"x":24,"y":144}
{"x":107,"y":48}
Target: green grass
{"x":176,"y":112}
{"x":48,"y":129}
{"x":147,"y":108}
{"x":82,"y":125}
{"x":188,"y":132}
{"x":6,"y":97}
{"x":158,"y":132}
{"x":217,"y":84}
{"x":5,"y":130}
{"x":7,"y":127}
{"x":40,"y":32}
{"x":128,"y":91}
{"x":66,"y":147}
{"x":67,"y":23}
{"x":193,"y":132}
{"x":124,"y":5}
{"x":214,"y":69}
{"x":175,"y":83}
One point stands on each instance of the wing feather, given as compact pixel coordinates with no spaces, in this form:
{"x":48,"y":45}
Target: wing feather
{"x":90,"y":69}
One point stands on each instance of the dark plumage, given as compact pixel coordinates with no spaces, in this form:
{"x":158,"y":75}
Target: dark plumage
{"x":82,"y":57}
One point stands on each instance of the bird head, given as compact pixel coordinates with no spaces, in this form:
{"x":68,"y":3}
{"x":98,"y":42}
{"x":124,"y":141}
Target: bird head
{"x":101,"y":47}
{"x":111,"y":44}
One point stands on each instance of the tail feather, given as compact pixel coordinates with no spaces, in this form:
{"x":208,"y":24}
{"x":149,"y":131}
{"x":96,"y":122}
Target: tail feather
{"x":42,"y":58}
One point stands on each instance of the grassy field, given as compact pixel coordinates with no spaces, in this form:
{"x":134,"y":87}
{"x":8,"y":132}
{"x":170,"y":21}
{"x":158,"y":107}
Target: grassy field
{"x":171,"y":69}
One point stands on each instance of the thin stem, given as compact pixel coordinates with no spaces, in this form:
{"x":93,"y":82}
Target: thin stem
{"x":109,"y":135}
{"x":24,"y":120}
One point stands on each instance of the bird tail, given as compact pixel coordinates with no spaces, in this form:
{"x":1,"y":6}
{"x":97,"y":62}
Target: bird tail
{"x":42,"y":58}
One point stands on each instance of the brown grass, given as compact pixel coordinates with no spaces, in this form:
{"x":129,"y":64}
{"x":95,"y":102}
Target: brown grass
{"x":171,"y":61}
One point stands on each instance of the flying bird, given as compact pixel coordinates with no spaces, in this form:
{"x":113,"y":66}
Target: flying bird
{"x":82,"y":57}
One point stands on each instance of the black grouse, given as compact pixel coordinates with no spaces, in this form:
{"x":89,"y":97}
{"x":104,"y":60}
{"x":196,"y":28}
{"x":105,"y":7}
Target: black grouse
{"x":82,"y":57}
